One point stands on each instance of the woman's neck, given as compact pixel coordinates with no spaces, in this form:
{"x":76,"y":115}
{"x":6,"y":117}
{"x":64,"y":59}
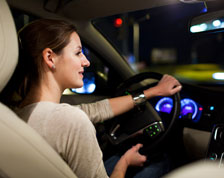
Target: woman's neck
{"x":43,"y":92}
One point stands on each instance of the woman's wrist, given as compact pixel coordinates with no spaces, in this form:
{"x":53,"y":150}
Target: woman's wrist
{"x":120,"y":168}
{"x":150,"y":93}
{"x":125,"y":160}
{"x":139,"y":99}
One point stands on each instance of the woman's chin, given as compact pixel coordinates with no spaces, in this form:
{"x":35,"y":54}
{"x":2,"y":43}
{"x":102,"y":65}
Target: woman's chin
{"x":79,"y":86}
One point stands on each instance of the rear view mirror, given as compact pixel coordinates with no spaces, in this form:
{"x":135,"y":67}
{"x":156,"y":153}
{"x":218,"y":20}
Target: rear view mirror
{"x":212,"y":21}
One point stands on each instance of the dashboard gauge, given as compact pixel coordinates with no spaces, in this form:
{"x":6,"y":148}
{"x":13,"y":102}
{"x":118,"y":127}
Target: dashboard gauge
{"x":165,"y":104}
{"x":188,"y":108}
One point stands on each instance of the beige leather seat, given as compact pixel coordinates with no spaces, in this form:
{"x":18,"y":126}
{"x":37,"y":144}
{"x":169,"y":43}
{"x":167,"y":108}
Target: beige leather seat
{"x":23,"y":153}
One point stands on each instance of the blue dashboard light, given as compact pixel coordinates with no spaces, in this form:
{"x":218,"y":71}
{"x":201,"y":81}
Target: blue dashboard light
{"x":164,"y":105}
{"x":166,"y":108}
{"x":188,"y":106}
{"x":187,"y":109}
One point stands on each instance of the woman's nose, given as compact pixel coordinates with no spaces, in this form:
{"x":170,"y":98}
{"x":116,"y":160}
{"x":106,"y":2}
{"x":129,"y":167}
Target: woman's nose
{"x":85,"y":62}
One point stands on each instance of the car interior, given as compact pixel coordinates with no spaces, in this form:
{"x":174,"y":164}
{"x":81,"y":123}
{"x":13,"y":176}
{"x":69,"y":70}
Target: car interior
{"x":188,"y":126}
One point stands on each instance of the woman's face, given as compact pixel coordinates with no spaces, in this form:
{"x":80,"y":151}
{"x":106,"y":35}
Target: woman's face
{"x":70,"y":64}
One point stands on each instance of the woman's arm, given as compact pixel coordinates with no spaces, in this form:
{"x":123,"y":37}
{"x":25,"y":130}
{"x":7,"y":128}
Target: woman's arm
{"x":105,"y":109}
{"x":167,"y":86}
{"x":131,"y":158}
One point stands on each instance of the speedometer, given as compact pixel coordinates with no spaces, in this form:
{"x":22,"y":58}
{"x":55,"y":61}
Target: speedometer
{"x":188,"y":108}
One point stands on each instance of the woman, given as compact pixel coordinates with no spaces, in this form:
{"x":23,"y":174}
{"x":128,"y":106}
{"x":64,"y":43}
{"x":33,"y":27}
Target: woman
{"x":52,"y":60}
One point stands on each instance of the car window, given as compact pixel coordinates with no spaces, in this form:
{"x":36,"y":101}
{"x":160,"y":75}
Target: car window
{"x":158,"y":40}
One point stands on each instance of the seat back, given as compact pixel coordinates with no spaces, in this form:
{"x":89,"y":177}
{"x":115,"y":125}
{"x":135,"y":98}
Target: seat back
{"x":23,"y":153}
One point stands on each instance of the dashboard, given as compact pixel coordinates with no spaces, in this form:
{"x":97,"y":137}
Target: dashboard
{"x":190,"y":109}
{"x":201,"y":107}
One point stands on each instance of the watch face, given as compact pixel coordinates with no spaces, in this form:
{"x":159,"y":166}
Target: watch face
{"x":139,"y":99}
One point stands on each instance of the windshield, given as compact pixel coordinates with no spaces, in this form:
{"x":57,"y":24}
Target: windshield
{"x":159,"y":40}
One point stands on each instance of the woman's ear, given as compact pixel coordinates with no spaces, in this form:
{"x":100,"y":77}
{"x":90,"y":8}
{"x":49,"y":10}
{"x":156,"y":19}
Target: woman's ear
{"x":48,"y":56}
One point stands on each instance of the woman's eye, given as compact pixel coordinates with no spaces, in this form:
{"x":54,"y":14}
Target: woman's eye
{"x":79,"y":53}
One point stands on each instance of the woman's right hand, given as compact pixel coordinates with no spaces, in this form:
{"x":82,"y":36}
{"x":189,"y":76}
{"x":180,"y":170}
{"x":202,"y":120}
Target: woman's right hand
{"x":167,"y":86}
{"x":133,"y":157}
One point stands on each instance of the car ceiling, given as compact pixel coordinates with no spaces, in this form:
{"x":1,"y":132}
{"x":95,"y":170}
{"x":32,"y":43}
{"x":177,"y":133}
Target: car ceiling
{"x":85,"y":9}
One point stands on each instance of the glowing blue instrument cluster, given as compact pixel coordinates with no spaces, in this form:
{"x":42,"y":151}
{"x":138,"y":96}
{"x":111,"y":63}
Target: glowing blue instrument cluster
{"x":164,"y":105}
{"x":189,"y":108}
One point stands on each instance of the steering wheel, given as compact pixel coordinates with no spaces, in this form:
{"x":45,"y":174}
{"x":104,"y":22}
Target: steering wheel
{"x":143,"y":120}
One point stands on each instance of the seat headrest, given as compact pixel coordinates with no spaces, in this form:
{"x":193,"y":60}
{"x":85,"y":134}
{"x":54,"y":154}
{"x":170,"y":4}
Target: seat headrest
{"x":8,"y":45}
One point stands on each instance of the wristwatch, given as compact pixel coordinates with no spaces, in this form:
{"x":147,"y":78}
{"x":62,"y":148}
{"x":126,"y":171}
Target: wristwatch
{"x":139,"y":99}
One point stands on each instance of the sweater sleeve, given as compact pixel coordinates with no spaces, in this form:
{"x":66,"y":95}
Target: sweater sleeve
{"x":98,"y":111}
{"x":74,"y":138}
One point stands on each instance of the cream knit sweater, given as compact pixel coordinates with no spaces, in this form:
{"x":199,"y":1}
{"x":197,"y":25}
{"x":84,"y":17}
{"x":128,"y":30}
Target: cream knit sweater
{"x":70,"y":131}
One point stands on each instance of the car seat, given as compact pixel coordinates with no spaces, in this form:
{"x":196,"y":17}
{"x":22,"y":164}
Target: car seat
{"x":23,"y":153}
